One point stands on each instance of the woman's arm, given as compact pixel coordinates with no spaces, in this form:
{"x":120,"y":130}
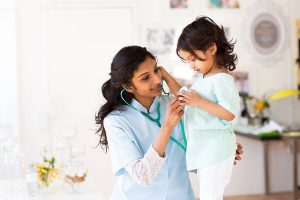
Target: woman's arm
{"x":173,"y":115}
{"x":145,"y":170}
{"x":171,"y":82}
{"x":192,"y":98}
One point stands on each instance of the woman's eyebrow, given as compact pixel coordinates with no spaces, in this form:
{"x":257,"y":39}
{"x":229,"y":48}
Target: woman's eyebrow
{"x":143,"y":74}
{"x":155,"y":66}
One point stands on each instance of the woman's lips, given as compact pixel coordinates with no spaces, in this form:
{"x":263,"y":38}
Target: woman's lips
{"x":157,"y":89}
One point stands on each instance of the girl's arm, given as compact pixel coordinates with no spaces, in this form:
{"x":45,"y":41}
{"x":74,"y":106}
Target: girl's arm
{"x":194,"y":99}
{"x":171,"y":82}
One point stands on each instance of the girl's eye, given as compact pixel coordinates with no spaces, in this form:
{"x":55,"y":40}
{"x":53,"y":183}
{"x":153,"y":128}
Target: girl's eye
{"x":156,"y":70}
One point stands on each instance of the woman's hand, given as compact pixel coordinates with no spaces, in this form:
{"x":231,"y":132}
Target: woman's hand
{"x":238,"y":153}
{"x":174,"y":114}
{"x":191,"y":98}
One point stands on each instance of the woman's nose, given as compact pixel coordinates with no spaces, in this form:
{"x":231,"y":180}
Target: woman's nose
{"x":157,"y":78}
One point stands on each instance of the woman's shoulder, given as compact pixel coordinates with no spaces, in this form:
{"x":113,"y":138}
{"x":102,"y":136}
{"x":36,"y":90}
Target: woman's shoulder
{"x":115,"y":116}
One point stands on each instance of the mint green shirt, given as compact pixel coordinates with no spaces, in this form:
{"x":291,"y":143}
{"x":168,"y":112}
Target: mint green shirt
{"x":211,"y":139}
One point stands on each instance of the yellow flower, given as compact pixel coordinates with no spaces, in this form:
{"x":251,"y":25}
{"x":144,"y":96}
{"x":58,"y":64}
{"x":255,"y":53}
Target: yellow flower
{"x":260,"y":105}
{"x":47,"y":172}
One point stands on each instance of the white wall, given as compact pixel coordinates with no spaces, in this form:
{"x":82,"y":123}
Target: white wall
{"x":9,"y":118}
{"x":65,"y":51}
{"x":64,"y":55}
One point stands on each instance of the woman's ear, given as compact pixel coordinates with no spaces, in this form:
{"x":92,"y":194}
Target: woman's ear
{"x":128,"y":88}
{"x":213,"y":49}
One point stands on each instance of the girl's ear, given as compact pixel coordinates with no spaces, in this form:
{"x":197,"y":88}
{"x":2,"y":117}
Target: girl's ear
{"x":128,"y":88}
{"x":213,"y":49}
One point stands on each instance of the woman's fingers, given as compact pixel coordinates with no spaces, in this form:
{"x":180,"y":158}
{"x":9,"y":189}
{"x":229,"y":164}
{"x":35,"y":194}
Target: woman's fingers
{"x":238,"y":152}
{"x":173,"y":101}
{"x":239,"y":149}
{"x":179,"y":108}
{"x":237,"y":157}
{"x":176,"y":108}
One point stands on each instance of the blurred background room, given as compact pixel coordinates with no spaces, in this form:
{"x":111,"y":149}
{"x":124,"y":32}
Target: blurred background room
{"x":56,"y":54}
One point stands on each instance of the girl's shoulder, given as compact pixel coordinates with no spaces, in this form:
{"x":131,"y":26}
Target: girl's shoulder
{"x":221,"y":81}
{"x":222,"y":78}
{"x":222,"y":75}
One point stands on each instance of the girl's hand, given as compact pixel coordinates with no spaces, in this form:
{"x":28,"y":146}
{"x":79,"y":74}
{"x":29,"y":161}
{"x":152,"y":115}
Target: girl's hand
{"x":191,"y":98}
{"x":173,"y":115}
{"x":162,"y":71}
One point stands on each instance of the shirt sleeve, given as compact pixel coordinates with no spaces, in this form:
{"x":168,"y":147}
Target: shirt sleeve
{"x":144,"y":170}
{"x":227,"y":94}
{"x":122,"y":149}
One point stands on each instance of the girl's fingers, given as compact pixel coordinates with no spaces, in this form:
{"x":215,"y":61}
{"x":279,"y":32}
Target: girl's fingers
{"x":186,"y":94}
{"x":184,"y":98}
{"x":183,"y":94}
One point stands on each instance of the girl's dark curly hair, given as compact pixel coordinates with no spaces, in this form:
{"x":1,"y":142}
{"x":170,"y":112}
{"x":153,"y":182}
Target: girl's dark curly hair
{"x":123,"y":66}
{"x":201,"y":34}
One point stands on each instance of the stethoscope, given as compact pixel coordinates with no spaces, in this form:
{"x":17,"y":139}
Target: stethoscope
{"x":157,"y":121}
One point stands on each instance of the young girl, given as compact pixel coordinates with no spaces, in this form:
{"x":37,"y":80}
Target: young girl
{"x":212,"y":103}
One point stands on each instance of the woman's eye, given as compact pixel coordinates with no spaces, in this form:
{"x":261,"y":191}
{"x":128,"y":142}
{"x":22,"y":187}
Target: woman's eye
{"x":156,"y":70}
{"x":146,"y":78}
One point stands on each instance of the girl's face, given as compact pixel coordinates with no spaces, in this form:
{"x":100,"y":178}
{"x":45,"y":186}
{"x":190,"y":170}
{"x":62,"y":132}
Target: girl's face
{"x":146,"y":81}
{"x":203,"y":64}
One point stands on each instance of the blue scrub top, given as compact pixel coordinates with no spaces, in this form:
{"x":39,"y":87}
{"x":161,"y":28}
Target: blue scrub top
{"x":130,"y":135}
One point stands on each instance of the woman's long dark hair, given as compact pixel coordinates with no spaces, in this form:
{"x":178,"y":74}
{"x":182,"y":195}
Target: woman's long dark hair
{"x":124,"y":64}
{"x":201,"y":34}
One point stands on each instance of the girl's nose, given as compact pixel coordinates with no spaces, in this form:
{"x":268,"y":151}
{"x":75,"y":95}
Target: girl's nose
{"x":193,"y":67}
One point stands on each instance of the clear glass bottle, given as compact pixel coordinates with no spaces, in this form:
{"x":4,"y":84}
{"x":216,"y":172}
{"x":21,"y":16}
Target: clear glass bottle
{"x":32,"y":184}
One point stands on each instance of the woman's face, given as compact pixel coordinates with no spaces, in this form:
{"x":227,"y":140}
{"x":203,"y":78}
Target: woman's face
{"x":203,"y":64}
{"x":146,"y":81}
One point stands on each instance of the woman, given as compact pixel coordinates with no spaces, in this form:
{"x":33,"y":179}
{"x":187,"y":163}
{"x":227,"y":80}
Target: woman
{"x":138,"y":124}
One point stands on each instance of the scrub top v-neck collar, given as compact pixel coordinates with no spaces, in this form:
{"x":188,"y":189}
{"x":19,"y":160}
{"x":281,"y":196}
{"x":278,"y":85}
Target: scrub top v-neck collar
{"x":140,"y":107}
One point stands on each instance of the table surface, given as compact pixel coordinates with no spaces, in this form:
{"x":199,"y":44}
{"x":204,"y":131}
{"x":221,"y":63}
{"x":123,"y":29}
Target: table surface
{"x":287,"y":134}
{"x":16,"y":190}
